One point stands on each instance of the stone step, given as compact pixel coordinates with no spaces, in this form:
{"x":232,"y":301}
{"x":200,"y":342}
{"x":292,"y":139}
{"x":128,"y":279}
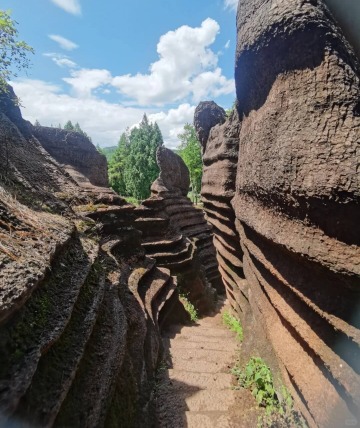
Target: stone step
{"x":204,"y":400}
{"x":201,"y":331}
{"x":201,"y":366}
{"x":183,"y":379}
{"x":202,"y":354}
{"x":210,"y":419}
{"x":195,"y":338}
{"x":229,"y":344}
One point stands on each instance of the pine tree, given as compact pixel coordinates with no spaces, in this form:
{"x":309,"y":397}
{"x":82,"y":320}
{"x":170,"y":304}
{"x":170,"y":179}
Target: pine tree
{"x":141,"y":168}
{"x":78,"y":129}
{"x":69,"y":126}
{"x":37,"y":123}
{"x":133,"y":167}
{"x":190,"y":152}
{"x":117,"y":166}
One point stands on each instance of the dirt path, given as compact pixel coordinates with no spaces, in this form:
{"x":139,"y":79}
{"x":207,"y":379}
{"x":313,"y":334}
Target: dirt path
{"x":196,"y":391}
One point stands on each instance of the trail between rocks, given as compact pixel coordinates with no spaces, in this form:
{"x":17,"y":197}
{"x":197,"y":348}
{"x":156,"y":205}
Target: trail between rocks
{"x":196,"y":391}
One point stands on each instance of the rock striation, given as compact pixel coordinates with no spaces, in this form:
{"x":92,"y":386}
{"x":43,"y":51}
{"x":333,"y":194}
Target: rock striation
{"x":176,"y":234}
{"x":75,"y":153}
{"x":80,"y":302}
{"x":281,"y":180}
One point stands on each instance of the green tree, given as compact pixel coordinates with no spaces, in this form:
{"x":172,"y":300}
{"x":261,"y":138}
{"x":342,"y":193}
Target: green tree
{"x":117,"y":166}
{"x":69,"y":126}
{"x":231,"y":109}
{"x":13,"y":52}
{"x":141,"y":168}
{"x":190,"y":152}
{"x":76,"y":128}
{"x":133,"y":166}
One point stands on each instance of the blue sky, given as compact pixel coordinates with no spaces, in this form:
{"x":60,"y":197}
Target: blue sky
{"x":105,"y":65}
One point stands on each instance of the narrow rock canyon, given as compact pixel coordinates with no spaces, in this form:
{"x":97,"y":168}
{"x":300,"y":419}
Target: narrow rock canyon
{"x":90,"y":285}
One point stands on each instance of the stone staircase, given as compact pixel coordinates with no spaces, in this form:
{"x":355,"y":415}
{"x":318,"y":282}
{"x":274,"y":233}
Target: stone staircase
{"x":196,"y":389}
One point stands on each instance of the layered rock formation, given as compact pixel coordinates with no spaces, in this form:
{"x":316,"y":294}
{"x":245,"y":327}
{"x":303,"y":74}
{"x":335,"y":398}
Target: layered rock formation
{"x":281,"y":178}
{"x":176,"y":234}
{"x":79,"y":300}
{"x":75,"y":153}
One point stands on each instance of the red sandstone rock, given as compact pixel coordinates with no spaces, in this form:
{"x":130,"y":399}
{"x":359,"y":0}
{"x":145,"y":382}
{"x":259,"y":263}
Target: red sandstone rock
{"x":80,"y":303}
{"x":290,"y":197}
{"x":75,"y":152}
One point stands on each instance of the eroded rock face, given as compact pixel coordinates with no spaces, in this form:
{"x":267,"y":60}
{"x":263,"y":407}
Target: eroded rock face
{"x":207,"y":115}
{"x":293,"y":201}
{"x":76,"y":153}
{"x":176,"y":234}
{"x":80,"y":302}
{"x":174,"y":175}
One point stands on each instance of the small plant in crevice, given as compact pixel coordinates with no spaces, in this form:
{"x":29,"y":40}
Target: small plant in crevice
{"x":189,"y":307}
{"x":278,"y":405}
{"x":233,"y":324}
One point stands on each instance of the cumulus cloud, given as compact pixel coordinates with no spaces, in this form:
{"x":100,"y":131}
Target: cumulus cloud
{"x":231,"y":4}
{"x":184,"y":56}
{"x":70,"y":6}
{"x":102,"y":120}
{"x":84,"y":81}
{"x":172,"y":122}
{"x":64,"y":43}
{"x":61,"y":60}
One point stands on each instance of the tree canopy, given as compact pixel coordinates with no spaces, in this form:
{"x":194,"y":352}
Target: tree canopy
{"x":13,"y":52}
{"x":76,"y":128}
{"x":190,"y":152}
{"x":133,"y":167}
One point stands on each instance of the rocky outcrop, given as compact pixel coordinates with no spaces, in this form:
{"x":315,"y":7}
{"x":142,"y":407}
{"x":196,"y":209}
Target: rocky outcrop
{"x":80,"y":302}
{"x":176,"y":234}
{"x":218,"y":189}
{"x":208,"y":114}
{"x":281,"y":179}
{"x":76,"y":153}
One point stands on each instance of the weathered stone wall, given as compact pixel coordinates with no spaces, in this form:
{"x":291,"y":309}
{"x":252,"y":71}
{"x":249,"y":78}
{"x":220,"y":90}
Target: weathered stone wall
{"x":293,"y":202}
{"x":76,"y":151}
{"x":80,"y":303}
{"x":176,"y":234}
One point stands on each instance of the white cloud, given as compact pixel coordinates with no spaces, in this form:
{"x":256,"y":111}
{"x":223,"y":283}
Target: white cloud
{"x":64,"y":43}
{"x":102,"y":120}
{"x":227,"y":44}
{"x":211,"y":84}
{"x":61,"y":60}
{"x":70,"y":6}
{"x":84,"y":81}
{"x":231,"y":4}
{"x":172,"y":122}
{"x":184,"y":56}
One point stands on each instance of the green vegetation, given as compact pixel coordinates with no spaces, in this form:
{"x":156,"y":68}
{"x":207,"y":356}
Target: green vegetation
{"x":76,"y":128}
{"x":13,"y":52}
{"x":132,"y":200}
{"x":190,"y":152}
{"x":230,"y":110}
{"x":189,"y":307}
{"x":108,"y":152}
{"x":257,"y":377}
{"x":233,"y":324}
{"x":133,"y":167}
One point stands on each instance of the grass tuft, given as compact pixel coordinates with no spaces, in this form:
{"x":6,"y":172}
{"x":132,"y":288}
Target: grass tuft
{"x":189,"y":307}
{"x":233,"y":324}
